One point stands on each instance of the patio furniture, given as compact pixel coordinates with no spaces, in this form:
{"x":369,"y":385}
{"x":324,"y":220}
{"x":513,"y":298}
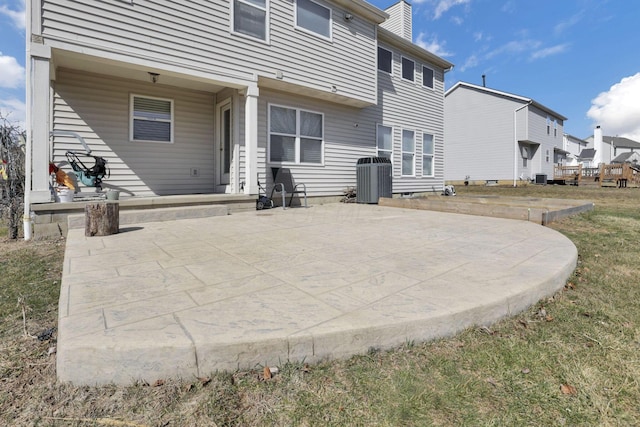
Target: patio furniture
{"x":284,"y":184}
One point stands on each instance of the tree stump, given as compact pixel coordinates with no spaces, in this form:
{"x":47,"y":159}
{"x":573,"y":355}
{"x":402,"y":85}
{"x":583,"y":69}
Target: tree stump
{"x":101,"y":219}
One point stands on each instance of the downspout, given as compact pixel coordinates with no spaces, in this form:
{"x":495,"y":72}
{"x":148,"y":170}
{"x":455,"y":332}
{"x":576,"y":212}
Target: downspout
{"x":515,"y":142}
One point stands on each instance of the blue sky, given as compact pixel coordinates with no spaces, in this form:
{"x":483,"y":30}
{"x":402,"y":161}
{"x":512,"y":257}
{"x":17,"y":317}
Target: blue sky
{"x":577,"y":57}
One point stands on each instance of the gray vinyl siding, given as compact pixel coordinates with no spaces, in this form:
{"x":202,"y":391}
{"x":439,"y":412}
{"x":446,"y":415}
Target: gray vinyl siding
{"x":409,"y":105}
{"x":399,"y":21}
{"x":344,"y":143}
{"x":479,"y":140}
{"x":479,"y":137}
{"x":97,"y":107}
{"x":197,"y":35}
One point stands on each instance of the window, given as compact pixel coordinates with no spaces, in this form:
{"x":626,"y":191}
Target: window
{"x":313,"y":17}
{"x":295,"y":136}
{"x":548,"y":126}
{"x":427,"y":154}
{"x":547,"y":156}
{"x":151,"y":119}
{"x":408,"y":152}
{"x":407,"y":69}
{"x":250,"y":18}
{"x":384,"y":138}
{"x":385,"y":60}
{"x":427,"y":77}
{"x":555,"y":128}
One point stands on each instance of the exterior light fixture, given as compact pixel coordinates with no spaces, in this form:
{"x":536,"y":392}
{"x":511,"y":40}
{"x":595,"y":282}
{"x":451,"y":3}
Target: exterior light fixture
{"x":154,"y":77}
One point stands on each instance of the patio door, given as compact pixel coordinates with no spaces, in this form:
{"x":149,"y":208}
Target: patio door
{"x":224,"y":143}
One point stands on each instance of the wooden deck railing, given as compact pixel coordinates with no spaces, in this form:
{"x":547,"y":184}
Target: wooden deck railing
{"x":621,"y":174}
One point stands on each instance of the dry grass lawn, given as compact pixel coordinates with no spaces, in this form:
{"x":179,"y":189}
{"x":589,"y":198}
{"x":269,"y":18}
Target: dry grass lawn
{"x":570,"y":360}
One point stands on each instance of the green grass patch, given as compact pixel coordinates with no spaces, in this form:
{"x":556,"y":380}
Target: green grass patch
{"x":571,"y":359}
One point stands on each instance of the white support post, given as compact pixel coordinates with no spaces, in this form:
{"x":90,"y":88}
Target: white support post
{"x":38,"y":129}
{"x":251,"y":139}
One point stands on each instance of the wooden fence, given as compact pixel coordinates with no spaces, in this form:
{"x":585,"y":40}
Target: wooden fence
{"x":618,"y":174}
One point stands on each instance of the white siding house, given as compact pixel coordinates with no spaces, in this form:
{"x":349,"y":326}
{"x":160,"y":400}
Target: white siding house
{"x":208,"y":96}
{"x":492,"y":135}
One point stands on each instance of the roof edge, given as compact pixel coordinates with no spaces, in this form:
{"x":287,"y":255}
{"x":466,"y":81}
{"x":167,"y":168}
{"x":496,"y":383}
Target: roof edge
{"x":506,"y":94}
{"x":409,"y":46}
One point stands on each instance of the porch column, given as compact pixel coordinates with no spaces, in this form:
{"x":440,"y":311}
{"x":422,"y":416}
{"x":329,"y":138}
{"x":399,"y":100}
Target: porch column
{"x":251,"y":139}
{"x":38,"y":122}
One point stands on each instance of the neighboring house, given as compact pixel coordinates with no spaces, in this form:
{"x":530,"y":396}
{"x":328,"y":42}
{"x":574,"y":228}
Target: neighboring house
{"x":609,"y":147}
{"x":632,"y":157}
{"x":207,"y":96}
{"x":572,"y":147}
{"x":492,"y":135}
{"x":588,"y":158}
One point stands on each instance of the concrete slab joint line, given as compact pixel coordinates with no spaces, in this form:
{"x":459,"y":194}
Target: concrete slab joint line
{"x":193,"y":296}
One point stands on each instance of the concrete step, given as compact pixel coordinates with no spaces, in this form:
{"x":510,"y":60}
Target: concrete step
{"x":137,"y":216}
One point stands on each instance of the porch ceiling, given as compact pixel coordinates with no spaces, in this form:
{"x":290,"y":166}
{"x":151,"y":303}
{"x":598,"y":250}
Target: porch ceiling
{"x":117,"y":69}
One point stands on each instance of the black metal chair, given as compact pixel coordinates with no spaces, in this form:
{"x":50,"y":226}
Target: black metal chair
{"x":283,"y":183}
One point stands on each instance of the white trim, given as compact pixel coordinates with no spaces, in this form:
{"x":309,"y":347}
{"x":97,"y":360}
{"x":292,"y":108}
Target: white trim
{"x":413,"y":174}
{"x":297,"y":137}
{"x":431,"y":155}
{"x":220,"y":107}
{"x":378,"y":60}
{"x":433,"y":78}
{"x":311,"y":32}
{"x":402,"y":58}
{"x":232,"y":29}
{"x":377,"y":133}
{"x":171,"y":121}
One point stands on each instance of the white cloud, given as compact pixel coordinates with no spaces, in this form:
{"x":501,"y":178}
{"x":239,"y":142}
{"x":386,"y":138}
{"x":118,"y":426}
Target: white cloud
{"x":13,"y":110}
{"x":433,"y":46}
{"x":617,"y":110}
{"x":12,"y":75}
{"x":548,"y":51}
{"x":17,"y":16}
{"x":445,"y":5}
{"x":570,"y":22}
{"x":471,"y":62}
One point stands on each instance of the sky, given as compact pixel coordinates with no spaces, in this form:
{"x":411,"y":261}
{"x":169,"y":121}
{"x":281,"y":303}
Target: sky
{"x":579,"y":58}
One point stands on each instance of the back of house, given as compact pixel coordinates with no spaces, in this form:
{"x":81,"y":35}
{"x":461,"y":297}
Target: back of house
{"x":209,"y":96}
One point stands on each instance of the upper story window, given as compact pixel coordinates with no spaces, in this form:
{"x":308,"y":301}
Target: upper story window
{"x":427,"y":77}
{"x":408,"y":67}
{"x":384,"y":138}
{"x":385,"y":60}
{"x":548,"y":126}
{"x":313,"y":17}
{"x":408,"y":152}
{"x":250,"y":18}
{"x":151,"y":119}
{"x":427,"y":154}
{"x":295,"y":136}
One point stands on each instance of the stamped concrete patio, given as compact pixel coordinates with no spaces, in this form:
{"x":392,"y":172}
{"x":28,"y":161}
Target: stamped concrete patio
{"x":188,"y":297}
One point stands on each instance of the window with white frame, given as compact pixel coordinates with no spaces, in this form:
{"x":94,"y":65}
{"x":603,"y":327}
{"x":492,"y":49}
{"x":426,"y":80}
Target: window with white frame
{"x":250,"y":18}
{"x":313,"y":17}
{"x":427,"y":154}
{"x":408,"y":68}
{"x":408,"y":152}
{"x":427,"y":77}
{"x":295,"y":135}
{"x":384,"y":138}
{"x":151,"y":119}
{"x":385,"y":60}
